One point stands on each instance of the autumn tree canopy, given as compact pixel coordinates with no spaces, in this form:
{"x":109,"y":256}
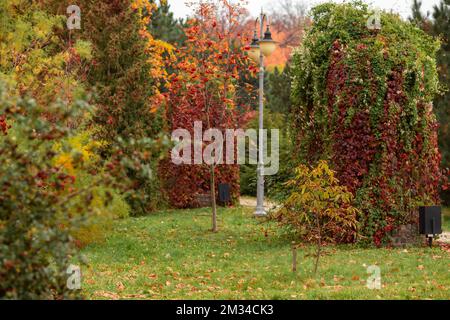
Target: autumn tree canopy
{"x":203,"y":87}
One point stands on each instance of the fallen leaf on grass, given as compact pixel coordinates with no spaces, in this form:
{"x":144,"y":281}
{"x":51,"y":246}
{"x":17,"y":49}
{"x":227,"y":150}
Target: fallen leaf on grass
{"x":135,"y":296}
{"x":337,"y":278}
{"x":309,"y":283}
{"x":180,"y":286}
{"x":444,"y":246}
{"x":120,"y":286}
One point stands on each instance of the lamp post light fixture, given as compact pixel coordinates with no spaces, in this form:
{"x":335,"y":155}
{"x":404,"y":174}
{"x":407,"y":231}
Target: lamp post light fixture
{"x":259,"y":48}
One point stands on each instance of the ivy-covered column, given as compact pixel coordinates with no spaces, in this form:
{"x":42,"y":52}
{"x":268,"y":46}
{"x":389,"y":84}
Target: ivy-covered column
{"x":362,"y":99}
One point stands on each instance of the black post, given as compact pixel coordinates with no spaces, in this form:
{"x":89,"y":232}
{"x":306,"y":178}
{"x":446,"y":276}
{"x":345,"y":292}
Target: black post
{"x":430,"y":239}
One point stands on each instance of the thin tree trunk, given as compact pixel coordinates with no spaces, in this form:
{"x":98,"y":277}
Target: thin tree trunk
{"x":212,"y":184}
{"x":213,"y":198}
{"x":294,"y":259}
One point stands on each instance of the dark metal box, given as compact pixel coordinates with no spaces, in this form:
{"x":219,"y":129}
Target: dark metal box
{"x":224,"y":193}
{"x":430,"y":220}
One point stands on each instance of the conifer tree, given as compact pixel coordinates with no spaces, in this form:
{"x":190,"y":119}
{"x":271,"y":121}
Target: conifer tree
{"x":165,"y":27}
{"x":122,"y":79}
{"x":279,"y":91}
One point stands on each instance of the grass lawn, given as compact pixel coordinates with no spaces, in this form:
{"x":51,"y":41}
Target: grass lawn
{"x":172,"y":255}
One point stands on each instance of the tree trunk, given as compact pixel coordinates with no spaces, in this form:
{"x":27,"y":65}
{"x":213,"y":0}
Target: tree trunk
{"x":212,"y":184}
{"x":294,"y":259}
{"x":213,"y":198}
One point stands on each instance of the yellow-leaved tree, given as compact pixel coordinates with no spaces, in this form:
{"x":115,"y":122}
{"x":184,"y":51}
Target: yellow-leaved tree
{"x":318,"y":209}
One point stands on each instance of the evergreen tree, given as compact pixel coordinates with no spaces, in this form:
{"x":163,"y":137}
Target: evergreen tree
{"x":278,"y":105}
{"x":121,"y":77}
{"x":418,"y":16}
{"x":279,"y":90}
{"x":164,"y":26}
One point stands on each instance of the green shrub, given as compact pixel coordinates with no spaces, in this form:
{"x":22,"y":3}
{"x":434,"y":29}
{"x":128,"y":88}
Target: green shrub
{"x":107,"y":205}
{"x":45,"y":202}
{"x":78,"y":157}
{"x":52,"y":182}
{"x":247,"y":178}
{"x":318,"y":208}
{"x":35,"y":241}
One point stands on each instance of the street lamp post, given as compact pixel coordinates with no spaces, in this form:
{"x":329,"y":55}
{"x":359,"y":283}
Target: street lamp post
{"x":261,"y":47}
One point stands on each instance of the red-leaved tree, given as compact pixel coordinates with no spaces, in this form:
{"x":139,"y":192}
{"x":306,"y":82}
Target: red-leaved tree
{"x":203,"y":87}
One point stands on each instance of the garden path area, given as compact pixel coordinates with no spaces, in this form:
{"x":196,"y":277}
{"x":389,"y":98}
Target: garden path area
{"x":251,"y":202}
{"x":445,"y":237}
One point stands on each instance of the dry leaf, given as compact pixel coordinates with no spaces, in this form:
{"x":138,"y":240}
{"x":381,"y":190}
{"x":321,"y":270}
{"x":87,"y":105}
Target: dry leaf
{"x":106,"y":294}
{"x":120,"y":286}
{"x":180,"y":286}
